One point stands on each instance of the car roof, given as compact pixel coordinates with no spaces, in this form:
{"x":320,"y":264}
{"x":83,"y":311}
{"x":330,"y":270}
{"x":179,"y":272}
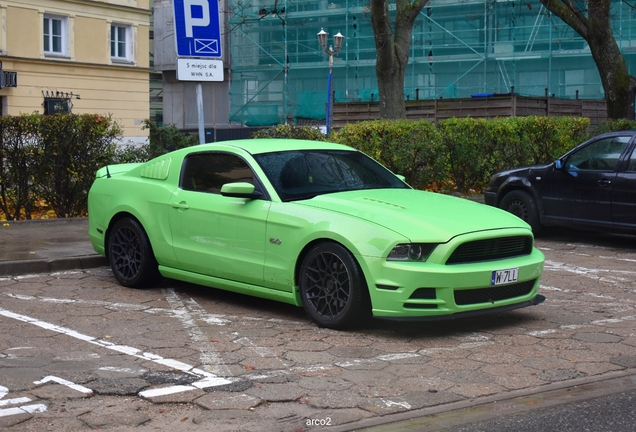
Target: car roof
{"x":268,"y":145}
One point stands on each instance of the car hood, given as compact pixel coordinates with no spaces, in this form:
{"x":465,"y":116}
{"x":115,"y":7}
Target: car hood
{"x":420,"y":216}
{"x":523,"y":170}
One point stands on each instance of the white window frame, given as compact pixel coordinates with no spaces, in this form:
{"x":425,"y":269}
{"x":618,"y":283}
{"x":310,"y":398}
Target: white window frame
{"x":114,"y":38}
{"x":63,"y":35}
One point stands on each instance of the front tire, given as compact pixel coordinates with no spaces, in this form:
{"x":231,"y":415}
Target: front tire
{"x":332,"y":287}
{"x":130,"y":254}
{"x":522,"y":205}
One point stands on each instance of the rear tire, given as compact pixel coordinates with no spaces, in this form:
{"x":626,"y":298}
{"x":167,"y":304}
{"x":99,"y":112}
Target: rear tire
{"x":522,"y":205}
{"x":130,"y":254}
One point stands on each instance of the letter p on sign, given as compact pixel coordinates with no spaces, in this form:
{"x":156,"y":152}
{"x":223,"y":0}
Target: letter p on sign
{"x":190,"y":21}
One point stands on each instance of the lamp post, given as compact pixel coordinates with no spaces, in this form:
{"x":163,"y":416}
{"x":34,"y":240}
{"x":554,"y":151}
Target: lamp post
{"x":337,"y":41}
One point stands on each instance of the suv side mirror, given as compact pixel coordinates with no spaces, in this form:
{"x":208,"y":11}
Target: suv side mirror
{"x":558,"y":164}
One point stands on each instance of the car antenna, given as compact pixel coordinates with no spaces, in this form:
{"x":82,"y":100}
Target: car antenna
{"x":107,"y":172}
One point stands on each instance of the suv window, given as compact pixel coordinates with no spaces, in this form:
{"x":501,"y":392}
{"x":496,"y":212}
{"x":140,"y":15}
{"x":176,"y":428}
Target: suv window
{"x":208,"y":172}
{"x":601,"y":155}
{"x":632,"y":162}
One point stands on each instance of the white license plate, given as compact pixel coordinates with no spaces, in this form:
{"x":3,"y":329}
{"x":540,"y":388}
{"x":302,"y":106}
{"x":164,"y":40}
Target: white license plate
{"x":500,"y":277}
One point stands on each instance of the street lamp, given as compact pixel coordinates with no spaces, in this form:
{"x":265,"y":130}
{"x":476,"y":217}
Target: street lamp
{"x":337,"y":40}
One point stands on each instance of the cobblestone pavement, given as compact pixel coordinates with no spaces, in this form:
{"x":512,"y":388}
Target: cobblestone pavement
{"x":79,"y":352}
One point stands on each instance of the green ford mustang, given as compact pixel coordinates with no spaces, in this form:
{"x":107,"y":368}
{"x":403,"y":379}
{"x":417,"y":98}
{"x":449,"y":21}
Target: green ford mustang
{"x":314,"y":224}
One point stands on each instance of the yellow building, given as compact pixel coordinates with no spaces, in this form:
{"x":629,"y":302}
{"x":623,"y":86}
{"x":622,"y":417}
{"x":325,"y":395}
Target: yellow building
{"x":85,"y":56}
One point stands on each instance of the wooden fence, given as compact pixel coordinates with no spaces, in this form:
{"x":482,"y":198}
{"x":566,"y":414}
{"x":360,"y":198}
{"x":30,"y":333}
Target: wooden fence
{"x":479,"y":107}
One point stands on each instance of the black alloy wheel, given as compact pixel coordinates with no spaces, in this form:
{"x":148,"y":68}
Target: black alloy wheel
{"x":332,"y":287}
{"x":130,"y":255}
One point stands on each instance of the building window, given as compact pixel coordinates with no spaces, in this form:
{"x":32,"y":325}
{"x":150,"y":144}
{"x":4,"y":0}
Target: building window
{"x":55,"y":35}
{"x":120,"y":36}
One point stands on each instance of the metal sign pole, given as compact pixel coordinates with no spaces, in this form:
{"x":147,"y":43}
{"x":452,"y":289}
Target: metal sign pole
{"x":200,"y":113}
{"x":197,"y":25}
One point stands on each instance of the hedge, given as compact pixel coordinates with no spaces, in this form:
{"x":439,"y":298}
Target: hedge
{"x":458,"y":154}
{"x":50,"y":161}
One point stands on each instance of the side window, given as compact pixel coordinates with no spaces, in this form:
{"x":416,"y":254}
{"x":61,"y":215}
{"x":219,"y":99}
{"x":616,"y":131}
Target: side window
{"x":120,"y":42}
{"x":208,"y":172}
{"x":55,"y":35}
{"x":601,"y":155}
{"x":632,"y":162}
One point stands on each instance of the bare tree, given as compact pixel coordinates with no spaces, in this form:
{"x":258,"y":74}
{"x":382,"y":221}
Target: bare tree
{"x":591,"y":20}
{"x":392,"y":44}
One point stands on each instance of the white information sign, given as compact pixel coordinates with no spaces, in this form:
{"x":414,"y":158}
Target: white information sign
{"x":199,"y":69}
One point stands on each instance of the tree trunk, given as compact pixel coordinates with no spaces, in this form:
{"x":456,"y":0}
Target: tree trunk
{"x":618,"y":84}
{"x":392,"y":44}
{"x":594,"y":26}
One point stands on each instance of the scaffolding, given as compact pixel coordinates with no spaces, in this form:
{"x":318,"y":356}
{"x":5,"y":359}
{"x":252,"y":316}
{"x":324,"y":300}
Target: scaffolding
{"x":458,"y":49}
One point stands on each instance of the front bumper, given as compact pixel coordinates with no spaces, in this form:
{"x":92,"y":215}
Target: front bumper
{"x":490,"y":198}
{"x":470,"y":314}
{"x":436,"y":290}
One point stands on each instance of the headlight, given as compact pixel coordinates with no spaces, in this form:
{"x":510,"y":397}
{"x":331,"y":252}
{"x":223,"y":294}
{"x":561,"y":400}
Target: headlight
{"x":411,"y":252}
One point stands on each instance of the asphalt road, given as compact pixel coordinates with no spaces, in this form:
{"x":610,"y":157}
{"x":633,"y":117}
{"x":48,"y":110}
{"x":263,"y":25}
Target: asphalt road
{"x":80,"y":352}
{"x":613,"y":413}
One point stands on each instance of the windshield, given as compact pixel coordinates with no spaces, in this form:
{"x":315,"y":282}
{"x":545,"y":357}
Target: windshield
{"x":303,"y":174}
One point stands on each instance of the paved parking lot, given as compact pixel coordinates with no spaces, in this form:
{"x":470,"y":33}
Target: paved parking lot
{"x":78,"y":351}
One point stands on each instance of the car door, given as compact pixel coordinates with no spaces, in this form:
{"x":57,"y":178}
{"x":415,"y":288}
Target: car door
{"x":624,"y":196}
{"x":584,"y":184}
{"x":215,"y":235}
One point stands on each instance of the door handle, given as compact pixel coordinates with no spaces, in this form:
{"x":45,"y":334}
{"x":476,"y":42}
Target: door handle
{"x":604,"y":182}
{"x":180,"y":205}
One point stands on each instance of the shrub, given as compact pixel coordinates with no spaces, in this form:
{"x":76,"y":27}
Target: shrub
{"x":52,"y":159}
{"x":470,"y":147}
{"x":18,"y":139}
{"x":70,"y":150}
{"x":164,"y":139}
{"x":478,"y":148}
{"x":616,"y":125}
{"x":547,"y":138}
{"x":292,"y":132}
{"x":410,"y":148}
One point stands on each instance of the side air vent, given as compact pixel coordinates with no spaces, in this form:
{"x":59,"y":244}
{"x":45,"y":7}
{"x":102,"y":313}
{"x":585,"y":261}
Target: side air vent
{"x":157,"y":170}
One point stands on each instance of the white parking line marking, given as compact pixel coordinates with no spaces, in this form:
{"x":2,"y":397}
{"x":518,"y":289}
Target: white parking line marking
{"x":165,"y":391}
{"x":207,"y":352}
{"x":34,"y":275}
{"x":604,"y":275}
{"x":134,"y":352}
{"x":25,"y":409}
{"x":64,"y":382}
{"x":14,"y":401}
{"x":201,"y":384}
{"x":194,"y":309}
{"x":122,"y":370}
{"x":261,"y":351}
{"x":390,"y":403}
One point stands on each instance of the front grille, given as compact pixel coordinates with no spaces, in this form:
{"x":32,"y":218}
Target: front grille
{"x":493,"y":294}
{"x":491,"y":249}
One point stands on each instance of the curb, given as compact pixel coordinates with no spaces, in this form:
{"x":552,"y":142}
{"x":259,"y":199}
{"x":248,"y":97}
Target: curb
{"x":15,"y":268}
{"x":471,"y":410}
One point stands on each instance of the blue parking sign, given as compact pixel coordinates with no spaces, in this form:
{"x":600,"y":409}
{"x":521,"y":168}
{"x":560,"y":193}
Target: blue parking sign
{"x":197,"y":28}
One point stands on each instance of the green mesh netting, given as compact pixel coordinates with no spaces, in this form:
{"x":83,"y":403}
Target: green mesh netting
{"x":458,"y":49}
